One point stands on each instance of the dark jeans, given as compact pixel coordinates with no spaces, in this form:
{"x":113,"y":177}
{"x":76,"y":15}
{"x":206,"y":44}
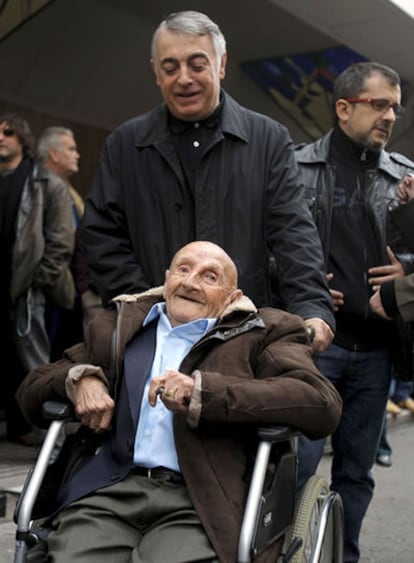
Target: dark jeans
{"x":362,"y":379}
{"x":400,"y":390}
{"x":384,"y":447}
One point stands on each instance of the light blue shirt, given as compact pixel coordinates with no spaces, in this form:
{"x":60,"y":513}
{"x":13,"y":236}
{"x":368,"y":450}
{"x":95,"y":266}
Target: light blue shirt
{"x":154,"y":439}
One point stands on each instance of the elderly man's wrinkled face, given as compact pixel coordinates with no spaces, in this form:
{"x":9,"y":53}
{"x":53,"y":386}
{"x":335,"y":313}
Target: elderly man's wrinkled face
{"x":201,"y":283}
{"x":188,"y":73}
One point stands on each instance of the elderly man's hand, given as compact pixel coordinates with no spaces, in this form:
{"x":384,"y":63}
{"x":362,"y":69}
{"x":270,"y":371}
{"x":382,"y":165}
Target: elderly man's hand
{"x":173,"y":388}
{"x":94,"y":406}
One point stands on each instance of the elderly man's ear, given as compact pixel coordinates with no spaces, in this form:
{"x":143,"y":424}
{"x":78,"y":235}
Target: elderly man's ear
{"x":236,"y":294}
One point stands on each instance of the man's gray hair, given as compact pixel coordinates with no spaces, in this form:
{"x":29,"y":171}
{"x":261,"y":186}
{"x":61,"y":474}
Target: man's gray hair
{"x":51,"y":138}
{"x":192,"y":23}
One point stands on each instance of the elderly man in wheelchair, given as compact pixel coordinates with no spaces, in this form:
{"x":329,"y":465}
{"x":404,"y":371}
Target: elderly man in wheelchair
{"x":170,"y":390}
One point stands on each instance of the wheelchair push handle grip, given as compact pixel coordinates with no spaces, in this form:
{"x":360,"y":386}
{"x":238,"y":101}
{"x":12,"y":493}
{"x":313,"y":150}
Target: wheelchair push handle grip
{"x":58,"y":410}
{"x":277,"y":433}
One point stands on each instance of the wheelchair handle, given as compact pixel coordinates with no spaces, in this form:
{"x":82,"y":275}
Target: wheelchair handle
{"x":58,"y":410}
{"x":277,"y":433}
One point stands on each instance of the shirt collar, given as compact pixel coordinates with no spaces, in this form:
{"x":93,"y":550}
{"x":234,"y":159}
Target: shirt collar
{"x":159,"y":311}
{"x":178,"y":126}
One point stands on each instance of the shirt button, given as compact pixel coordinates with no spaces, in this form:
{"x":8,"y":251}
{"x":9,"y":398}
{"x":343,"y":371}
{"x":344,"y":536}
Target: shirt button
{"x":196,"y":125}
{"x":196,"y":144}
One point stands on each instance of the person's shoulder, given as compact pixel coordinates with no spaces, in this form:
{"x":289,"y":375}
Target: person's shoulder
{"x":53,"y":181}
{"x":141,"y":129}
{"x":265,"y":120}
{"x":314,"y":150}
{"x":395,"y":165}
{"x":280,"y":323}
{"x":135,"y":122}
{"x":252,"y":116}
{"x":278,"y":317}
{"x":303,"y":148}
{"x":401,"y":159}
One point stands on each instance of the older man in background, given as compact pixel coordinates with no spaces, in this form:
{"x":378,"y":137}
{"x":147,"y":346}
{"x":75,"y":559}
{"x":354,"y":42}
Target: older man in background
{"x":58,"y":152}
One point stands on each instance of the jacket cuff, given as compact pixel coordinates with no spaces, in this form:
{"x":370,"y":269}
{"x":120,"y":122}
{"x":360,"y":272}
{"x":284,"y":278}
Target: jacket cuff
{"x":388,"y":300}
{"x":194,"y":412}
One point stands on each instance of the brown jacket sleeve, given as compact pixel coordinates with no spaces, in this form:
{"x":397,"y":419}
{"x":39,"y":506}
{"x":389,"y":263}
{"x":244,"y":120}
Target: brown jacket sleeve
{"x":47,"y":383}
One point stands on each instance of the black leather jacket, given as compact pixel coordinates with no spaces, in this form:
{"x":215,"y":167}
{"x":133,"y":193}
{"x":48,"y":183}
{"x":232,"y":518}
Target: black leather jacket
{"x":319,"y":177}
{"x":381,"y":199}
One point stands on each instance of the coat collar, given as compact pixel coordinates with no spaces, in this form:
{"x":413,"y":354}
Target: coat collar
{"x":318,"y":152}
{"x":153,"y":127}
{"x":40,"y":172}
{"x":244,"y":304}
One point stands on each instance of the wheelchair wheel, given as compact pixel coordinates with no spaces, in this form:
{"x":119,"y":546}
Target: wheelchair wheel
{"x":306,"y":522}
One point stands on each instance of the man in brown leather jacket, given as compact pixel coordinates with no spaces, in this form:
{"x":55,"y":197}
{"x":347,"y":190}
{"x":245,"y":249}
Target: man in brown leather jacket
{"x":37,"y":238}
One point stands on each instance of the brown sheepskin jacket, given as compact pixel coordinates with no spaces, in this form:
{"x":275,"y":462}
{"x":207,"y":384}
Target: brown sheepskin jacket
{"x":255,"y":368}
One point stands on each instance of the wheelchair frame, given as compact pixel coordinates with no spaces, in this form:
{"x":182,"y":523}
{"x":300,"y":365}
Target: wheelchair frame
{"x":315,"y":532}
{"x":312,"y":527}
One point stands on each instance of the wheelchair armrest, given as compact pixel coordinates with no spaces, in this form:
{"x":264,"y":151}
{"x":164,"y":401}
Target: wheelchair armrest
{"x":277,"y":433}
{"x":269,"y":512}
{"x":58,"y":410}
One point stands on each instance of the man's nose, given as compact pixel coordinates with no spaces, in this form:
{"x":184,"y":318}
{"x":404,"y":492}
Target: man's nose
{"x":185,"y":75}
{"x":390,"y":114}
{"x":192,"y":280}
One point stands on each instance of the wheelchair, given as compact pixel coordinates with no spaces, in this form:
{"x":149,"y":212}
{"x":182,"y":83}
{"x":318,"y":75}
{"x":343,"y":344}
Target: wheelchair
{"x":310,"y":527}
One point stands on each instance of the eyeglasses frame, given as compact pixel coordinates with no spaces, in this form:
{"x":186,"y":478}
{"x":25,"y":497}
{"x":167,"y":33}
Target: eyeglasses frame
{"x":397,"y":108}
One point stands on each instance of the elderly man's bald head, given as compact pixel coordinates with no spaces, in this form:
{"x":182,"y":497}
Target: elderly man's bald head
{"x":200,"y":283}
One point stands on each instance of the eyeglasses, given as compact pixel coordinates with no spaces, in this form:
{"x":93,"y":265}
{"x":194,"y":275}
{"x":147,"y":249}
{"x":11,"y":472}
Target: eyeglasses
{"x":378,"y":104}
{"x":8,"y":132}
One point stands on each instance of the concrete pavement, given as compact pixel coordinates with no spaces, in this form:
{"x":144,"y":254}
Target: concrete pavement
{"x":386,"y":535}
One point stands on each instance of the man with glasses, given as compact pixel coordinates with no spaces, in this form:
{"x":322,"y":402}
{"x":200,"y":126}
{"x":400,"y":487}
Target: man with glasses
{"x":352,"y":183}
{"x":36,"y":244}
